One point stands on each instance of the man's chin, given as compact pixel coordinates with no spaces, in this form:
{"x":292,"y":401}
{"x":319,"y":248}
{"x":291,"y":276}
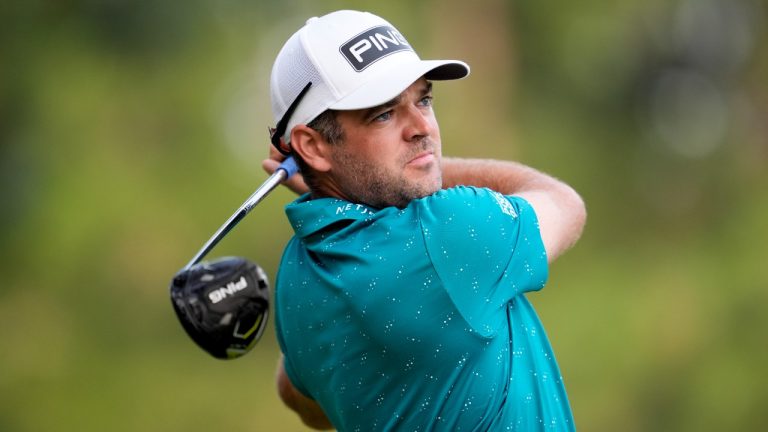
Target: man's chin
{"x":429,"y":187}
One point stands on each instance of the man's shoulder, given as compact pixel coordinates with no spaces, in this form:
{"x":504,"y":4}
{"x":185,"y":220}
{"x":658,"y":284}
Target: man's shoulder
{"x":467,"y":200}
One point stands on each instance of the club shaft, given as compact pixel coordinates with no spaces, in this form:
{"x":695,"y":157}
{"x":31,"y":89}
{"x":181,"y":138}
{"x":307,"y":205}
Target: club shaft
{"x":287,"y":169}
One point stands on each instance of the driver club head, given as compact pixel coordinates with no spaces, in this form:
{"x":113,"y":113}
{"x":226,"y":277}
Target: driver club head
{"x":222,"y":304}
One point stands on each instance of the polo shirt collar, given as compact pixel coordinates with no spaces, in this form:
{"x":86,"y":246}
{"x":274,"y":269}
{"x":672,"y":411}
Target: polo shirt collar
{"x":308,"y":216}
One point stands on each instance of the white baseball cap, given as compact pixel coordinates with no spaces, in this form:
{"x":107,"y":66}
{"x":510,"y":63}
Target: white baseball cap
{"x":353,"y":60}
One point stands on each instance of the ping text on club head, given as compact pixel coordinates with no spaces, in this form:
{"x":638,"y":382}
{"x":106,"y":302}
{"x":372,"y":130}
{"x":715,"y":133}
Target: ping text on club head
{"x":228,"y":290}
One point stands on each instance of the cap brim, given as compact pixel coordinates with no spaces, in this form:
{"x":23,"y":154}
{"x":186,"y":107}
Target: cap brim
{"x":389,"y":84}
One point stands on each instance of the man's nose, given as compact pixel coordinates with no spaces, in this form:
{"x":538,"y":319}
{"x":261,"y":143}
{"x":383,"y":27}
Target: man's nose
{"x":418,"y":125}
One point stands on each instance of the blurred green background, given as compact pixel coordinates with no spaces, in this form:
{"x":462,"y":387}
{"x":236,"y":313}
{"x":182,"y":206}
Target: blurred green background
{"x":131,"y":130}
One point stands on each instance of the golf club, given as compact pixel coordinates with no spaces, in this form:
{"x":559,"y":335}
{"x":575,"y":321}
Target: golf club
{"x":224,"y":304}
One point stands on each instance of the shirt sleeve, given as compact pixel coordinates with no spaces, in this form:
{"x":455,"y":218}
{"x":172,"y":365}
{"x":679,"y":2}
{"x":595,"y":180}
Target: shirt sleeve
{"x":486,"y":248}
{"x":292,"y":376}
{"x":290,"y":371}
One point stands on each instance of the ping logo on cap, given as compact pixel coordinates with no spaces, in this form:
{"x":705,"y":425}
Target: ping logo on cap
{"x":372,"y":45}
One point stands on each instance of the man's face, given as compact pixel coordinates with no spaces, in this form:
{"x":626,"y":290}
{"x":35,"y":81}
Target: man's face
{"x":390,"y":154}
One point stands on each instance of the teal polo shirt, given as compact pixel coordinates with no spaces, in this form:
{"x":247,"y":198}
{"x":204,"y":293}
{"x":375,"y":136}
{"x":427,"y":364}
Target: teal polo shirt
{"x":416,"y":319}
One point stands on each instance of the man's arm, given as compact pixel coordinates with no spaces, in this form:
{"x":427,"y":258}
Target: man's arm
{"x":559,"y":209}
{"x":307,"y":409}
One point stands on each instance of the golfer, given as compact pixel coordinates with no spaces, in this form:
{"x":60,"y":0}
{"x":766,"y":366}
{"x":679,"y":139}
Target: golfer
{"x":401,"y":301}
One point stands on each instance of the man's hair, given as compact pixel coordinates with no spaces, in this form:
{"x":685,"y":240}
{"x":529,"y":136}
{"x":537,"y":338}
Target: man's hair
{"x":330,"y":129}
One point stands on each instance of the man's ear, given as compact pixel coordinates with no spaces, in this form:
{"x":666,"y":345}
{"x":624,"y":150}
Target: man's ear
{"x":311,"y":146}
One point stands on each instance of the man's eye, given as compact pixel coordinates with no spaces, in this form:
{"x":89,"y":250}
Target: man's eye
{"x":383,"y":116}
{"x":426,"y":101}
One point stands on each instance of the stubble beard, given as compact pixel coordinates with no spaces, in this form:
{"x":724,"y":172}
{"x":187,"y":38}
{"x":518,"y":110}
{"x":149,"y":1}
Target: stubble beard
{"x":366,"y":182}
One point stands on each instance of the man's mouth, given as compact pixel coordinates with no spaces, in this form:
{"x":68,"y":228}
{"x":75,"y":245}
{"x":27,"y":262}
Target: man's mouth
{"x":422,"y":159}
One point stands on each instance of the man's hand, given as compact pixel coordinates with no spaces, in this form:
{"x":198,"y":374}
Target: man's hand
{"x":295,"y":183}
